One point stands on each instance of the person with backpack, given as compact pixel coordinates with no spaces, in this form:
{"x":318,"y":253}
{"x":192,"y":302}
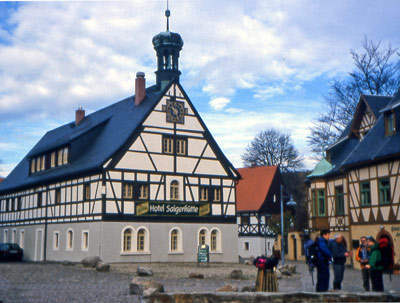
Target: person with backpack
{"x":324,"y":258}
{"x":310,"y":251}
{"x":339,"y":252}
{"x":387,"y":251}
{"x":362,"y":256}
{"x":374,"y":265}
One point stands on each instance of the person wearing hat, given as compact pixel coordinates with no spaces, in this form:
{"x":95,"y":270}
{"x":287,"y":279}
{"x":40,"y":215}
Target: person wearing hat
{"x":376,"y":269}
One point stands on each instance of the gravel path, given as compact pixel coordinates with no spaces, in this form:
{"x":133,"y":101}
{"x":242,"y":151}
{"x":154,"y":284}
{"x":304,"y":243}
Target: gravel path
{"x":52,"y":282}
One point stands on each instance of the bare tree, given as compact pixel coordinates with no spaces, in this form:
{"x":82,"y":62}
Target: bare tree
{"x":271,"y":147}
{"x":376,"y":73}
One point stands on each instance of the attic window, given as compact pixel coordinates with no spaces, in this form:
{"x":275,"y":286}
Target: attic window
{"x":390,"y":123}
{"x":49,"y":160}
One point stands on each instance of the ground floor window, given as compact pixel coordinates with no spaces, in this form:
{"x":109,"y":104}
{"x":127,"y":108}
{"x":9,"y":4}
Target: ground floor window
{"x":135,"y":240}
{"x":21,"y":238}
{"x":175,"y":244}
{"x":127,"y":240}
{"x":202,"y":237}
{"x":56,"y":240}
{"x":70,"y":239}
{"x":85,"y":240}
{"x":140,"y":240}
{"x":14,"y":236}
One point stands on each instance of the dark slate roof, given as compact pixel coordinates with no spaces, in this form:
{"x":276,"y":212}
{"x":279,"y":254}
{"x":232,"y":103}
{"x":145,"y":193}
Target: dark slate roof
{"x":350,"y":151}
{"x":375,"y":144}
{"x":93,"y":142}
{"x":376,"y":103}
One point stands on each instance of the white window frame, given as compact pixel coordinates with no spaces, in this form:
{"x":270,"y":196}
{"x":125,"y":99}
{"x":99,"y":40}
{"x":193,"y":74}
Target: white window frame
{"x":179,"y":249}
{"x":14,"y":236}
{"x":83,"y":240}
{"x":219,"y":242}
{"x":207,"y":240}
{"x":146,"y":249}
{"x":21,"y":238}
{"x":56,"y":240}
{"x":5,"y":236}
{"x":133,"y":235}
{"x":69,"y":240}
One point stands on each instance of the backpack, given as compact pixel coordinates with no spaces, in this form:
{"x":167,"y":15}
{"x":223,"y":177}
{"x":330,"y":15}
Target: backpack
{"x":260,"y":262}
{"x":387,"y":254}
{"x":266,"y":263}
{"x":311,"y":252}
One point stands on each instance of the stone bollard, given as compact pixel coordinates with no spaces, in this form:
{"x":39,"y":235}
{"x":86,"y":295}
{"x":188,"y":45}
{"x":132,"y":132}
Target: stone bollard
{"x":144,"y":272}
{"x":90,"y":261}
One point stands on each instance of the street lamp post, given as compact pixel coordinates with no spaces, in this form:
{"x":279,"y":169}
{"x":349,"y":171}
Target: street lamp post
{"x":290,"y":203}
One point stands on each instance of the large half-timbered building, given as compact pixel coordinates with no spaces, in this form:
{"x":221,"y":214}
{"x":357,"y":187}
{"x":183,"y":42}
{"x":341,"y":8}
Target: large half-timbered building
{"x":141,"y":180}
{"x":258,"y":196}
{"x":355,"y":189}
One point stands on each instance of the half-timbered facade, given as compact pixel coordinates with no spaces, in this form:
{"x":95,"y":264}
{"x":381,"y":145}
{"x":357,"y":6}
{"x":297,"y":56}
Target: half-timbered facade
{"x":355,"y":190}
{"x":258,"y":196}
{"x":141,"y":180}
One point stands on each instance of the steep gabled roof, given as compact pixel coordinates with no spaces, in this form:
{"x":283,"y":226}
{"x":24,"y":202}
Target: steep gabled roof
{"x":376,"y":103}
{"x":253,"y":188}
{"x":92,"y":142}
{"x":95,"y":140}
{"x":373,"y":103}
{"x":350,"y":151}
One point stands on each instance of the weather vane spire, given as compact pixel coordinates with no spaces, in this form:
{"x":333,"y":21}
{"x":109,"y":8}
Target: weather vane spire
{"x":167,"y":14}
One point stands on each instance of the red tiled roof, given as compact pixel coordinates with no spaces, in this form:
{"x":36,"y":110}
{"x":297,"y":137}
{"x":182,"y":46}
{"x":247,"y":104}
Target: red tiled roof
{"x":252,"y":189}
{"x":1,"y":179}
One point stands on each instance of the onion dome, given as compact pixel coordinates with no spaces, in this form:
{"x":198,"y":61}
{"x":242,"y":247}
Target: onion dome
{"x":167,"y":46}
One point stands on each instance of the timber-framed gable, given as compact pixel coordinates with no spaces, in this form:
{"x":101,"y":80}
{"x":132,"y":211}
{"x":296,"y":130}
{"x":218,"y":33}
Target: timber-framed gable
{"x":361,"y":173}
{"x":140,"y":180}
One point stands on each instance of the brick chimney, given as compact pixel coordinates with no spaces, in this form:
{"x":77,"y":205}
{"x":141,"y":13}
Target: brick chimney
{"x":79,"y":115}
{"x":140,"y":88}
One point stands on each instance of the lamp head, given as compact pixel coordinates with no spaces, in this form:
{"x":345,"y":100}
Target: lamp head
{"x":291,"y":202}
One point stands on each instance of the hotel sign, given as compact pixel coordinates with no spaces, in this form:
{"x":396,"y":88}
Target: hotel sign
{"x":173,"y":209}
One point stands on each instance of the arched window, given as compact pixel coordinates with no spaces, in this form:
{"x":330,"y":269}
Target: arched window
{"x":127,"y":246}
{"x":141,"y":240}
{"x":70,"y":239}
{"x":174,"y":190}
{"x":174,"y":240}
{"x":214,"y":240}
{"x":202,"y":237}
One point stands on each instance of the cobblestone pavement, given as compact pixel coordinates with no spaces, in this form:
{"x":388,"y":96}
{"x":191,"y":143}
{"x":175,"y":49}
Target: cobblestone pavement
{"x":52,"y":282}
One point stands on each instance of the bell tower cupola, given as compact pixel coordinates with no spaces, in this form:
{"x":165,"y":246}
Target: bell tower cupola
{"x":167,"y":46}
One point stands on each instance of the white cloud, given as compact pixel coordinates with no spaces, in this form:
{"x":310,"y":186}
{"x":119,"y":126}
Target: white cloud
{"x":219,"y":103}
{"x":59,"y":55}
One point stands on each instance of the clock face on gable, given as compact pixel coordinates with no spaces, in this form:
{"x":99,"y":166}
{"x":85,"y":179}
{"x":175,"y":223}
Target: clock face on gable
{"x":175,"y":111}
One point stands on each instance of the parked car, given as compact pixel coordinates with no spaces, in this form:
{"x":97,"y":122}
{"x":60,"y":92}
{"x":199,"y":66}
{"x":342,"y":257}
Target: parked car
{"x":10,"y":251}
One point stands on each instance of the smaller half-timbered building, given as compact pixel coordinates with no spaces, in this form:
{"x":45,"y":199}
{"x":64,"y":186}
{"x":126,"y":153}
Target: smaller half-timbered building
{"x":258,"y":197}
{"x":355,"y":189}
{"x":141,"y":180}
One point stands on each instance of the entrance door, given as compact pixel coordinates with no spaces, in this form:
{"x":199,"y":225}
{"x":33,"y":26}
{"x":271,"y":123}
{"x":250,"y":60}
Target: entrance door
{"x":39,"y":245}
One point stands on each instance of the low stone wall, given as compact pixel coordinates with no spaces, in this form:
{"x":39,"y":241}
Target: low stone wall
{"x":270,"y":297}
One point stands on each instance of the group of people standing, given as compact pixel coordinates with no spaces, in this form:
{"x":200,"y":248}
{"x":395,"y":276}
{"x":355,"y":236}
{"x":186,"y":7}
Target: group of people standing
{"x":334,"y":251}
{"x":369,"y":256}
